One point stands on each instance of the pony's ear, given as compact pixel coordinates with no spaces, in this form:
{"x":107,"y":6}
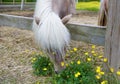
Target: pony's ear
{"x":37,"y":20}
{"x":66,"y":18}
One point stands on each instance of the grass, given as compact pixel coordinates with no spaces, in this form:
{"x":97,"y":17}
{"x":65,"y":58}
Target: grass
{"x":17,"y":51}
{"x":90,"y":6}
{"x":82,"y":67}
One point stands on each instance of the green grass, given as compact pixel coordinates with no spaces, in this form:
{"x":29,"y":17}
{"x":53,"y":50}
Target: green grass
{"x":90,"y":6}
{"x":82,"y":67}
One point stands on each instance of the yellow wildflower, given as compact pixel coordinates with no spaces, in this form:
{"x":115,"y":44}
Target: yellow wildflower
{"x":86,"y":54}
{"x":105,"y":60}
{"x":62,"y":63}
{"x":78,"y":62}
{"x":118,"y":73}
{"x":98,"y":69}
{"x":92,"y":52}
{"x":37,"y":82}
{"x":66,"y":65}
{"x":102,"y":73}
{"x":89,"y":59}
{"x":45,"y":69}
{"x":100,"y":57}
{"x":33,"y":59}
{"x":75,"y":49}
{"x":93,"y":46}
{"x":112,"y":70}
{"x":76,"y":75}
{"x":98,"y":77}
{"x":104,"y":82}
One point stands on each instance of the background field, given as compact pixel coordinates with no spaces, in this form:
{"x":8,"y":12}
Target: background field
{"x":90,"y":6}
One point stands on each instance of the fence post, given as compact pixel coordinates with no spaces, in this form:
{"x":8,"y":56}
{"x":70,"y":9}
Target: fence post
{"x":112,"y":43}
{"x":13,"y":2}
{"x":22,"y":4}
{"x":76,"y":1}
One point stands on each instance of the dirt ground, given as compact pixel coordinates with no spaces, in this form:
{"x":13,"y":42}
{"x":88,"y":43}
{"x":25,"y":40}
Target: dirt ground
{"x":17,"y":46}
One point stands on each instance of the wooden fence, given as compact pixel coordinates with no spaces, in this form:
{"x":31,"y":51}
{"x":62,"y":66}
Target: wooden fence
{"x":87,"y":33}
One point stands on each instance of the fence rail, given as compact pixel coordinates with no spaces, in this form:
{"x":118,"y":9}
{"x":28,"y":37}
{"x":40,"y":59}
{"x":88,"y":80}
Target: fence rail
{"x":87,"y":33}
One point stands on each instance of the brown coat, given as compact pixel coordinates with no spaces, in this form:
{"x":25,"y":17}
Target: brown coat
{"x":63,"y":7}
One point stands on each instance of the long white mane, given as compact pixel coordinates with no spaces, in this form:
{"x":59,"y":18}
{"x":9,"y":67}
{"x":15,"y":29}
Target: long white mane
{"x":50,"y":33}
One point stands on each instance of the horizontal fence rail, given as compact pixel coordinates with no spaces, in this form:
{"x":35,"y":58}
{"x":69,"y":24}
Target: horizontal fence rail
{"x":12,"y":6}
{"x":87,"y":33}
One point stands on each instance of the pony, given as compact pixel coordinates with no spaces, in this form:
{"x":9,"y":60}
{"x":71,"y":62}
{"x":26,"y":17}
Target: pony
{"x":103,"y":14}
{"x":49,"y":28}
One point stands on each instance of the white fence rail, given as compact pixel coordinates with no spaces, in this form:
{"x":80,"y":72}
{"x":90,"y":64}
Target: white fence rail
{"x":86,"y":33}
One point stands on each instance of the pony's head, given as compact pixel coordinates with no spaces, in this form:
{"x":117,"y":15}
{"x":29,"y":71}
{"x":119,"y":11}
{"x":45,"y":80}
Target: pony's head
{"x":63,"y":7}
